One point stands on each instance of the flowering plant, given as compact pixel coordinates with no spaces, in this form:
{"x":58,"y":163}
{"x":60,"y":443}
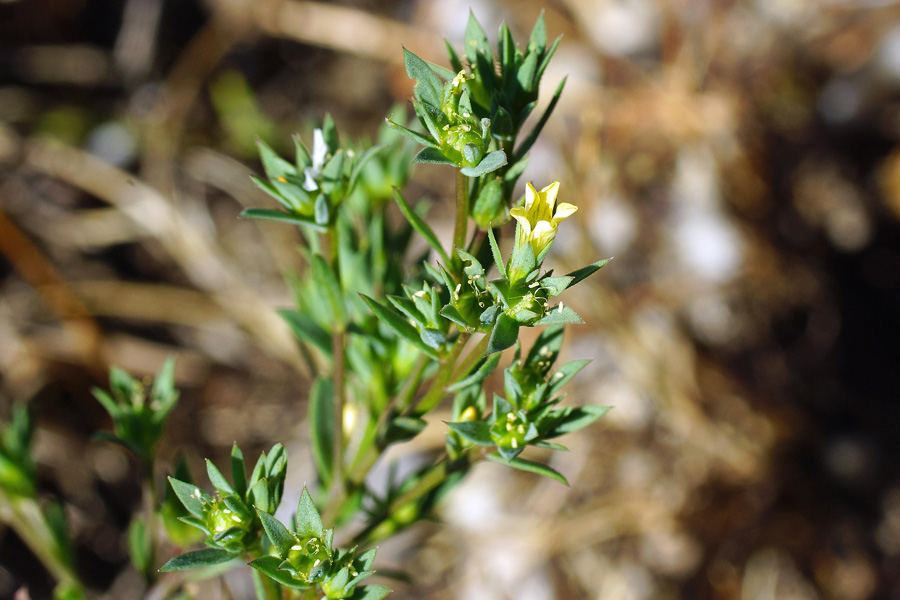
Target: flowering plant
{"x":389,"y":336}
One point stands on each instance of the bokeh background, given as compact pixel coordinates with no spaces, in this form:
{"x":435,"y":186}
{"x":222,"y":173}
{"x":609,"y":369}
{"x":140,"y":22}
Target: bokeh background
{"x":739,"y":159}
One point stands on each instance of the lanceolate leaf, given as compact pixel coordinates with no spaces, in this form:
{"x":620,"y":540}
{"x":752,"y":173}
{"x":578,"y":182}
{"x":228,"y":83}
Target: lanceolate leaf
{"x":559,"y":315}
{"x":199,"y":558}
{"x":428,"y":85}
{"x":583,"y":273}
{"x":504,"y":334}
{"x":476,"y":432}
{"x":278,"y":534}
{"x":309,"y":523}
{"x":190,"y":495}
{"x":533,"y":135}
{"x":495,"y":251}
{"x":433,"y":156}
{"x":485,"y":367}
{"x":491,"y":162}
{"x":530,"y":466}
{"x":278,"y":215}
{"x":216,"y":478}
{"x":268,"y":565}
{"x":393,"y":319}
{"x":412,"y":135}
{"x":575,"y":418}
{"x":371,"y":592}
{"x":321,"y":427}
{"x":307,"y":330}
{"x":421,"y":226}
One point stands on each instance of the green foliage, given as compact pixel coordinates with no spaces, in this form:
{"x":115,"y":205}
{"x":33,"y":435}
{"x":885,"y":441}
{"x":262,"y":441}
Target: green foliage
{"x":305,"y":559}
{"x":17,"y":470}
{"x":227,"y":518}
{"x":139,"y":414}
{"x":392,"y":320}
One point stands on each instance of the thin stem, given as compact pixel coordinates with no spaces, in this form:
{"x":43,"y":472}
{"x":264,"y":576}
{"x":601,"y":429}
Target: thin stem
{"x":471,"y":360}
{"x":26,"y":518}
{"x":436,"y":475}
{"x":436,"y":392}
{"x":149,"y":500}
{"x":337,"y":351}
{"x":460,"y":227}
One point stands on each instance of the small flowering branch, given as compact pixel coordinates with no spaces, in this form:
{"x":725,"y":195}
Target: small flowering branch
{"x":391,"y":335}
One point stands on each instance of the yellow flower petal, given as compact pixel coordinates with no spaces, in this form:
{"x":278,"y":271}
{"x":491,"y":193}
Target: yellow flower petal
{"x":563,"y":211}
{"x":544,"y":233}
{"x":530,"y":195}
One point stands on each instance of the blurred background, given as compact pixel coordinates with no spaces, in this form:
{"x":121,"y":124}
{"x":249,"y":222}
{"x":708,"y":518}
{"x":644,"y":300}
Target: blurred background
{"x":739,"y":159}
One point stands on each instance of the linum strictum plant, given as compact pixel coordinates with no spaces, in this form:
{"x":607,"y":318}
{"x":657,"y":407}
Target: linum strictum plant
{"x":389,"y":334}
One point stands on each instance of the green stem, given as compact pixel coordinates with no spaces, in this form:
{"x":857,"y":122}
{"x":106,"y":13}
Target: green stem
{"x":436,"y":392}
{"x":24,"y":515}
{"x":436,"y":475}
{"x":337,"y":350}
{"x":460,"y":227}
{"x":471,"y":360}
{"x":266,"y":588}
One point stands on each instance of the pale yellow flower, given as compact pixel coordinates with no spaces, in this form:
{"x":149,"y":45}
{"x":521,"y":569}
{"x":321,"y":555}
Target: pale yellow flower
{"x":541,"y":216}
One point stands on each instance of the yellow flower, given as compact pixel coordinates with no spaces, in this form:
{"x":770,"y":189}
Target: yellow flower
{"x":540,"y":217}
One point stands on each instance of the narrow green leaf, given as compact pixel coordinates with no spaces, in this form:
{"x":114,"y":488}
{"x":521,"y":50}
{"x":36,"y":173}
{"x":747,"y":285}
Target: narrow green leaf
{"x":450,"y":312}
{"x":268,"y":566}
{"x":108,"y":403}
{"x":321,"y":427}
{"x":392,"y":318}
{"x":476,"y":432}
{"x":433,"y":338}
{"x":491,"y":162}
{"x":420,"y":225}
{"x":443,"y":72}
{"x":546,"y":61}
{"x":278,"y":215}
{"x":274,"y":165}
{"x":504,"y":334}
{"x":506,"y":49}
{"x":412,"y":135}
{"x":432,"y":156}
{"x":358,"y":166}
{"x":522,"y":262}
{"x":583,"y":273}
{"x":190,"y":495}
{"x":528,"y":142}
{"x":199,"y":558}
{"x":495,"y":252}
{"x":530,"y":466}
{"x":307,"y":330}
{"x":371,"y":592}
{"x":565,"y":373}
{"x":526,"y":73}
{"x":484,"y":368}
{"x":139,"y":546}
{"x":163,"y":390}
{"x":309,"y":523}
{"x":428,"y":85}
{"x":476,"y":40}
{"x":329,"y":133}
{"x":278,"y":534}
{"x":560,"y":315}
{"x":453,"y":57}
{"x":538,"y":39}
{"x":301,"y":154}
{"x":327,"y":282}
{"x":577,"y":417}
{"x":259,"y":496}
{"x":217,"y":479}
{"x":556,"y":285}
